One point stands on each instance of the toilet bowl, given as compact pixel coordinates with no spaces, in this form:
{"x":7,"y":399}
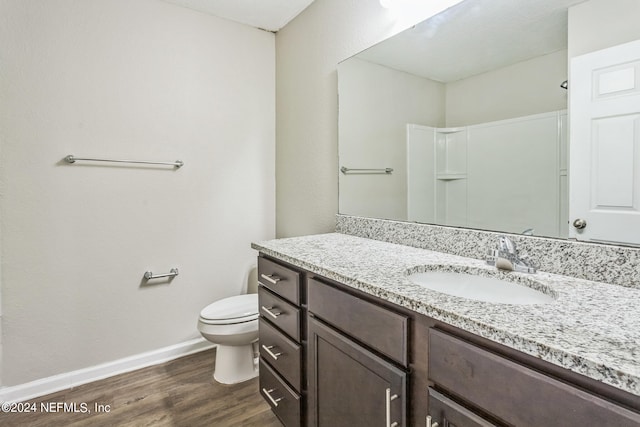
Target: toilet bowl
{"x":232,"y":324}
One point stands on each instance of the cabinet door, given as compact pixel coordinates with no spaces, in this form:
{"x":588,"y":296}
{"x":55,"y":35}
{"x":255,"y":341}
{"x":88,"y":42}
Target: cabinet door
{"x":349,"y":385}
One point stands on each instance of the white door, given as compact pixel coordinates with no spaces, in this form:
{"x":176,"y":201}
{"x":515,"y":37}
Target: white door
{"x":604,"y":128}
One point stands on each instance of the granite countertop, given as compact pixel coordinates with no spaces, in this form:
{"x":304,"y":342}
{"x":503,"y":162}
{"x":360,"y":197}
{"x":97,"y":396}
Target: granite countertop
{"x":591,"y":328}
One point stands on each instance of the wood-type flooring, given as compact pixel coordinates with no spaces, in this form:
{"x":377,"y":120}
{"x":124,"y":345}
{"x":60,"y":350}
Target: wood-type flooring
{"x":178,"y":393}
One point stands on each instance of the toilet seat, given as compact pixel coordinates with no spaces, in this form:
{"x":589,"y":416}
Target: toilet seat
{"x":236,"y":309}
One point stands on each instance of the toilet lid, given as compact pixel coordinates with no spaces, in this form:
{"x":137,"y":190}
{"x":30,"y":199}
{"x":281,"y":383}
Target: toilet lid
{"x":236,"y":308}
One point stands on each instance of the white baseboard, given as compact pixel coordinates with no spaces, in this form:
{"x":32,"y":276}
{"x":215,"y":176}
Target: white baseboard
{"x":41,"y":387}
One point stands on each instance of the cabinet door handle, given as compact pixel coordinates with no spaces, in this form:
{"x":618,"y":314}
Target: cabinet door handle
{"x":429,"y":423}
{"x":271,"y":278}
{"x":271,"y":313}
{"x":268,"y":393}
{"x":388,"y":399}
{"x":272,"y":354}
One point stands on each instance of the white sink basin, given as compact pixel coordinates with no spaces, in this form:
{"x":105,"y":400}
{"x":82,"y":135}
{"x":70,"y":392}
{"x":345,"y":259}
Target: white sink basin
{"x":479,"y":288}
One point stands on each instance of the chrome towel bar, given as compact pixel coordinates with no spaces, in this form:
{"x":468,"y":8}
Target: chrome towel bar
{"x":149,"y":275}
{"x":72,"y":159}
{"x":346,"y":170}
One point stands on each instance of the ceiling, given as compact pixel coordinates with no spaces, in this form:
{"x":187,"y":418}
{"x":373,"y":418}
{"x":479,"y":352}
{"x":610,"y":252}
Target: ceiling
{"x":476,"y":36}
{"x":269,"y":15}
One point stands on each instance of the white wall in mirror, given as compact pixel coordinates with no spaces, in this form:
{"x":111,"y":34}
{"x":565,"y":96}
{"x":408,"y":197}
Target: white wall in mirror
{"x":377,"y":102}
{"x":516,"y":90}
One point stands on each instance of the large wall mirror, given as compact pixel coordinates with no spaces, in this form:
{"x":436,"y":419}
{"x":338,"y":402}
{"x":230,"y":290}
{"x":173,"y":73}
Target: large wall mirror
{"x":461,"y":120}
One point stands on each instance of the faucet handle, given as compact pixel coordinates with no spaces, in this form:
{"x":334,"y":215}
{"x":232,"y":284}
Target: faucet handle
{"x":505,"y":244}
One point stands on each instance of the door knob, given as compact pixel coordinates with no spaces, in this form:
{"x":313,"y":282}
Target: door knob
{"x":580,"y":223}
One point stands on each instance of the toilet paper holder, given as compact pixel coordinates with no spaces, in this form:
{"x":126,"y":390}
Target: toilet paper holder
{"x":148,"y":275}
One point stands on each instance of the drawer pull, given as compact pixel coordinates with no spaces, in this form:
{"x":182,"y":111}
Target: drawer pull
{"x":268,"y":393}
{"x":429,"y":423}
{"x":272,"y":354}
{"x":271,"y":313}
{"x":388,"y":399}
{"x":271,"y":278}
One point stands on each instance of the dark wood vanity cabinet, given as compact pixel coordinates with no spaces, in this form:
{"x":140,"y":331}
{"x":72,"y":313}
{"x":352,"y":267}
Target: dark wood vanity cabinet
{"x":335,"y":356}
{"x":281,"y":334}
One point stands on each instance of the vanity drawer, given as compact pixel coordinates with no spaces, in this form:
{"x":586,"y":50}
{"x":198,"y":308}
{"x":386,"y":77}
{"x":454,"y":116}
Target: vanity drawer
{"x":284,"y":401}
{"x":280,"y":279}
{"x":281,"y":353}
{"x":279,"y":312}
{"x":510,"y":391}
{"x":374,"y":326}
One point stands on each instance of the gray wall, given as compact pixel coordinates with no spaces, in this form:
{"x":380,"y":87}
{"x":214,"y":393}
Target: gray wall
{"x":137,"y":79}
{"x":308,"y":50}
{"x":599,"y":24}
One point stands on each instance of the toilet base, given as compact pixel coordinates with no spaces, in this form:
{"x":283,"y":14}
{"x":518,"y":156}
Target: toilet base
{"x":235,"y":364}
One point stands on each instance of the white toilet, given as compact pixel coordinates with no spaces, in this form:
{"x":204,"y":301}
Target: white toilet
{"x":232,"y":323}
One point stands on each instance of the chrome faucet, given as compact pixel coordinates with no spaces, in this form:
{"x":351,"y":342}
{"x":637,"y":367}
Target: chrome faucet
{"x":505,"y":257}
